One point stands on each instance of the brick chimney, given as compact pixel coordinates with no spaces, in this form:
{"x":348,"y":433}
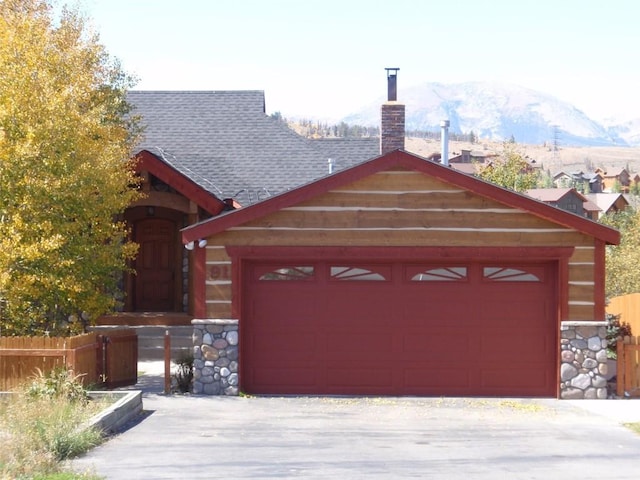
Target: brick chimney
{"x":392,"y":116}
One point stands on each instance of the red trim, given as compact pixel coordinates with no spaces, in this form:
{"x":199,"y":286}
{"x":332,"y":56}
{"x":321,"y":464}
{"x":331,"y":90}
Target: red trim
{"x":236,"y":285}
{"x":393,"y":159}
{"x":169,"y":175}
{"x":563,"y":290}
{"x":199,"y":283}
{"x":561,"y":310}
{"x":599,"y":273}
{"x":399,"y":253}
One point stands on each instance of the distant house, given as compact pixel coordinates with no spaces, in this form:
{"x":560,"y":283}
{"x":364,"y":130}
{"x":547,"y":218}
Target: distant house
{"x":568,"y":199}
{"x":609,"y":202}
{"x":471,"y":156}
{"x":583,"y":182}
{"x":612,"y":177}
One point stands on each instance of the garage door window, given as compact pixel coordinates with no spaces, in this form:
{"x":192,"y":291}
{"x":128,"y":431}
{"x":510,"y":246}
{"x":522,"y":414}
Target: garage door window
{"x":501,"y":274}
{"x":297,"y":273}
{"x":440,"y":274}
{"x":351,"y":273}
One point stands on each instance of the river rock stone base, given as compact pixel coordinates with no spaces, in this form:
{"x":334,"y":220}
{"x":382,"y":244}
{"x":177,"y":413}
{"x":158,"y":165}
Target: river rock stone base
{"x":215,"y":357}
{"x":583,"y":357}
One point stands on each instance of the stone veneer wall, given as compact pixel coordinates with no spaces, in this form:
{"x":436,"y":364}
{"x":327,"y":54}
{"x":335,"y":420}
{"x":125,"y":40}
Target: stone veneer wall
{"x":583,"y":360}
{"x":215,"y":357}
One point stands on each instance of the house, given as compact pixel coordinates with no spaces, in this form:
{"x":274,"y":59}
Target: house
{"x":204,"y":153}
{"x":615,"y":178}
{"x":401,"y":276}
{"x":609,"y":202}
{"x":394,"y":275}
{"x":568,"y":199}
{"x":471,"y":156}
{"x":581,"y":181}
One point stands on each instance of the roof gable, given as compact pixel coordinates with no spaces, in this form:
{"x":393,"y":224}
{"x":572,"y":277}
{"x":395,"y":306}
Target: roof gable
{"x":554,"y":194}
{"x":606,"y":200}
{"x":226,"y":143}
{"x":402,"y":160}
{"x":145,"y":160}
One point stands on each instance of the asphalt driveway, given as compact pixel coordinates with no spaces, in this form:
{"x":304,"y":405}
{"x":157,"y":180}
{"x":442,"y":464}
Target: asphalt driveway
{"x":309,"y":437}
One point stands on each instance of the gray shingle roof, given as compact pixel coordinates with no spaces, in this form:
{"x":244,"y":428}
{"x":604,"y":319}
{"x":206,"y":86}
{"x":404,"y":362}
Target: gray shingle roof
{"x":225,"y":142}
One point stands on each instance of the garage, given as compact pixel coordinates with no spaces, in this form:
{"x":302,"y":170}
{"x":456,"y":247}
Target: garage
{"x":455,"y":328}
{"x":401,"y":276}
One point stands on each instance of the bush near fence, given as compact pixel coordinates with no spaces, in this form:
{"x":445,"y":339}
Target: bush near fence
{"x":628,"y":307}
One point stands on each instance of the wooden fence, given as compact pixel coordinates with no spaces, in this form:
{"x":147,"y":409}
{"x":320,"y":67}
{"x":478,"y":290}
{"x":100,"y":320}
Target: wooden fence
{"x":628,"y":368}
{"x":628,"y":307}
{"x":90,"y":355}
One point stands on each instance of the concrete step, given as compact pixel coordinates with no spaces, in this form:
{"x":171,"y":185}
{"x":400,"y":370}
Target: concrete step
{"x":157,"y":353}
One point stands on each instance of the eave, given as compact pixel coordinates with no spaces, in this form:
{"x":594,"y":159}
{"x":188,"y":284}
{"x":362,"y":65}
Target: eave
{"x":147,"y":161}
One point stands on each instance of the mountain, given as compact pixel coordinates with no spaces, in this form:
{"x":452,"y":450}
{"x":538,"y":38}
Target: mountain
{"x":499,"y":112}
{"x":628,"y":131}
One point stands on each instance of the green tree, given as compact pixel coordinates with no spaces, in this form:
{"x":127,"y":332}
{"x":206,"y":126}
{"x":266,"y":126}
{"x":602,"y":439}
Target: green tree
{"x":65,"y":177}
{"x":509,"y":170}
{"x":622,"y":261}
{"x":616,"y":187}
{"x":545,"y":180}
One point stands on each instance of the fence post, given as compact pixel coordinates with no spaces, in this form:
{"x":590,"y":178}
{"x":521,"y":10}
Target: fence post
{"x":167,"y":362}
{"x":620,"y":368}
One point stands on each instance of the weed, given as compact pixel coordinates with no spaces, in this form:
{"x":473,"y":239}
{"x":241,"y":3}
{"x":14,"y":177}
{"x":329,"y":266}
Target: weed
{"x":57,"y":383}
{"x":42,"y":425}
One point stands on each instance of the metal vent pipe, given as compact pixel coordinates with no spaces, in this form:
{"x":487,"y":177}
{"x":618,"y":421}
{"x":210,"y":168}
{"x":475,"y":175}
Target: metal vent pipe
{"x":444,"y":137}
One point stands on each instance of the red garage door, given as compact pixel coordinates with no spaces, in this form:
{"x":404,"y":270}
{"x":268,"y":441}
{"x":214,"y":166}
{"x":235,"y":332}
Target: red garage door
{"x":399,"y":329}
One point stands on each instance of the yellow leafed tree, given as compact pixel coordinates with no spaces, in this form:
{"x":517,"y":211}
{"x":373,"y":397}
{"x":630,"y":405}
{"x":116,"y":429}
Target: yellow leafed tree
{"x":509,"y":170}
{"x":65,"y":177}
{"x":622,"y":273}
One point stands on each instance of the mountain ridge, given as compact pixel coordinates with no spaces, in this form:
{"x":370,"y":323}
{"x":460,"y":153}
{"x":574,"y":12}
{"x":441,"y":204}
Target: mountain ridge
{"x":500,"y":111}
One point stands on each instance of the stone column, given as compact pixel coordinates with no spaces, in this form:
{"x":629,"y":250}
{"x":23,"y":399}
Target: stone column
{"x":215,"y":357}
{"x":583,"y":360}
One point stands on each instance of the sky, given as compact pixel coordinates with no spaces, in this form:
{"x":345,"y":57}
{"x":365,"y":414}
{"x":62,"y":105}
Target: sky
{"x":327,"y":58}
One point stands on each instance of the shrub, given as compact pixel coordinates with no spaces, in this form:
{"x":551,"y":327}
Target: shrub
{"x":57,"y":383}
{"x":184,"y":372}
{"x":616,"y":330}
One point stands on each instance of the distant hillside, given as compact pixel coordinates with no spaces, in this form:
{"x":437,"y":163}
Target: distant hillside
{"x":499,"y":112}
{"x":565,"y":158}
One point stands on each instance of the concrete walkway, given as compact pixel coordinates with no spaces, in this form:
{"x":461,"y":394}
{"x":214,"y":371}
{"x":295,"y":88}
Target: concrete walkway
{"x":329,"y":437}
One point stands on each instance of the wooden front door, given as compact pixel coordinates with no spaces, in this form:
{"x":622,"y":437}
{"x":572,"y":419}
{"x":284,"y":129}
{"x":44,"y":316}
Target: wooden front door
{"x":156,"y":272}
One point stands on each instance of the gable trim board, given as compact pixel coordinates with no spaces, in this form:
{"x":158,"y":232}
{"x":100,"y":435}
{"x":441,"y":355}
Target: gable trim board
{"x":414,"y":213}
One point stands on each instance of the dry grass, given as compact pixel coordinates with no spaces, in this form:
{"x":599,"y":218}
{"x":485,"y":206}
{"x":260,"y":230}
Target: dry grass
{"x":37,"y":433}
{"x":566,"y":158}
